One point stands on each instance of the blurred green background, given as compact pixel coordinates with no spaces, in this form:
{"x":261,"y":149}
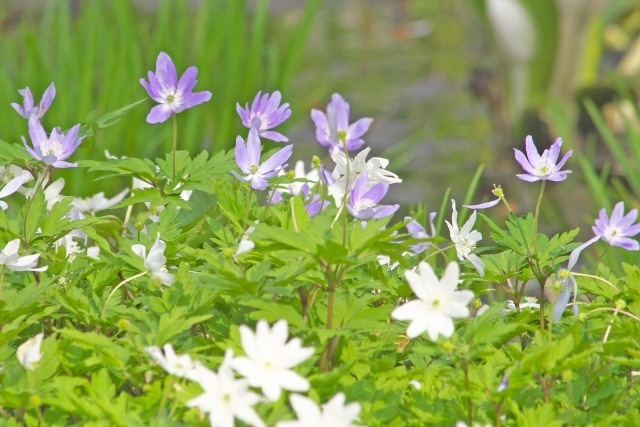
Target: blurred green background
{"x":451,"y":85}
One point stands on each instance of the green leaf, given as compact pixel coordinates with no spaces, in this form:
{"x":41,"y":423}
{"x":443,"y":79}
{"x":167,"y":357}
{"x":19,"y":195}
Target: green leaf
{"x":35,"y":211}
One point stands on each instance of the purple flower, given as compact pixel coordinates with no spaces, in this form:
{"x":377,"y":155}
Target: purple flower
{"x":333,"y":129}
{"x":315,"y":204}
{"x":617,"y":229}
{"x":265,"y":113}
{"x":248,"y":160}
{"x":569,"y":284}
{"x":28,"y":109}
{"x":417,"y":231}
{"x":542,"y":167}
{"x":363,"y":200}
{"x":174,"y":96}
{"x":52,"y":150}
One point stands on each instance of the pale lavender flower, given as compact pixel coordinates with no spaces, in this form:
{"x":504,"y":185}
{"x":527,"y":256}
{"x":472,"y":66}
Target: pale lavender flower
{"x":314,"y":203}
{"x":497,"y":191}
{"x":265,"y":114}
{"x":417,"y":231}
{"x":173,"y":96}
{"x":248,"y":160}
{"x":504,"y":383}
{"x":28,"y":109}
{"x":617,"y":229}
{"x":543,"y":167}
{"x":363,"y":202}
{"x":569,"y":283}
{"x":54,"y":149}
{"x":333,"y":129}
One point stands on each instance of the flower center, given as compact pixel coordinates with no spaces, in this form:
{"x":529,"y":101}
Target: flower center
{"x":51,"y":151}
{"x":612,"y":233}
{"x":435,"y":303}
{"x":365,"y":204}
{"x":254,"y":168}
{"x":545,"y":169}
{"x":465,"y":246}
{"x":342,"y":135}
{"x":259,"y":122}
{"x":173,"y":98}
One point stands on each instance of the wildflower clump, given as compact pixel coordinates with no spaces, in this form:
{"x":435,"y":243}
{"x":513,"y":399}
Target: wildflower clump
{"x":228,"y":288}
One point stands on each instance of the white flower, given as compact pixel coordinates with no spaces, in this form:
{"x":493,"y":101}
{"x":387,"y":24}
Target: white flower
{"x":51,"y":193}
{"x":374,"y":168}
{"x":14,"y":177}
{"x":225,"y":397}
{"x":29,"y":352}
{"x":270,"y":358}
{"x":98,"y":202}
{"x":438,"y":302}
{"x":529,"y":302}
{"x":463,"y":424}
{"x":179,"y":365}
{"x":334,"y":413}
{"x":155,"y":261}
{"x":465,"y":239}
{"x":245,"y":244}
{"x":385,"y":261}
{"x":72,"y":247}
{"x":10,"y":259}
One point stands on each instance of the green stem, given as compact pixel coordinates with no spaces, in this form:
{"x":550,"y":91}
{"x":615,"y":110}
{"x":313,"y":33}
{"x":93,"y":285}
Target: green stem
{"x":246,"y":212}
{"x":273,"y":192}
{"x":168,"y":385}
{"x":332,"y":280}
{"x":440,"y":250}
{"x":346,"y":195}
{"x":465,"y":367}
{"x":536,"y":219}
{"x":538,"y":273}
{"x":596,"y":278}
{"x":293,"y":216}
{"x":175,"y":143}
{"x":104,"y":309}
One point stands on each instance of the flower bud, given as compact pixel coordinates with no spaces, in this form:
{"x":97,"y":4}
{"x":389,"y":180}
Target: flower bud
{"x":316,"y":162}
{"x":124,"y":324}
{"x":448,"y":346}
{"x":557,"y":285}
{"x":498,"y":192}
